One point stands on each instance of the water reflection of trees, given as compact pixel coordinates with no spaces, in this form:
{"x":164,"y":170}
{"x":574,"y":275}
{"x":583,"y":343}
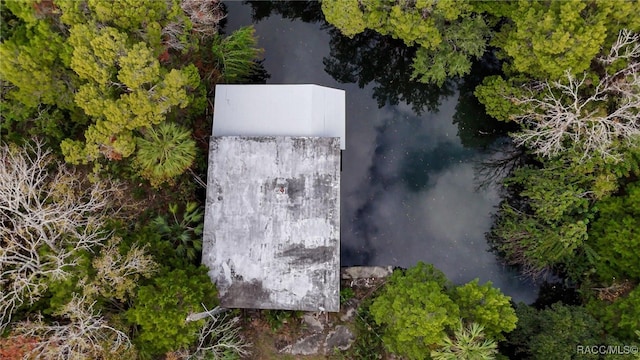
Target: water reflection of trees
{"x":369,"y":57}
{"x":476,"y":129}
{"x":364,"y":59}
{"x":307,"y":11}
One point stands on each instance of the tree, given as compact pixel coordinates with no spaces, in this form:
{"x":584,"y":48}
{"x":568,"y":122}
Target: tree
{"x":476,"y":128}
{"x":144,"y":20}
{"x":117,"y":275}
{"x":545,"y":39}
{"x":621,"y":317}
{"x":585,"y":131}
{"x":468,"y":343}
{"x":418,"y":308}
{"x":615,"y":236}
{"x":546,"y":222}
{"x":554,"y":332}
{"x":99,"y":61}
{"x":132,"y":14}
{"x":415,"y":311}
{"x":125,"y":89}
{"x":557,"y":114}
{"x":84,"y":335}
{"x":164,"y":152}
{"x":161,"y":308}
{"x":50,"y":215}
{"x":485,"y":306}
{"x":448,"y":34}
{"x":35,"y":61}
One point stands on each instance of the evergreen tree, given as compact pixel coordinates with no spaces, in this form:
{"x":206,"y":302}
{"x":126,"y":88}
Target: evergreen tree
{"x":554,"y":333}
{"x":486,"y":307}
{"x":615,"y":235}
{"x":448,"y":34}
{"x":418,"y":308}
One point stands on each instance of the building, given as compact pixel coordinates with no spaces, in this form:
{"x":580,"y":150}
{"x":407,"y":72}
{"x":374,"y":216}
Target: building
{"x":272,"y":219}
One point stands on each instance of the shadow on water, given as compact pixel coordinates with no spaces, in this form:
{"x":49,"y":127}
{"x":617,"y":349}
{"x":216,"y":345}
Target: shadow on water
{"x":408,"y":189}
{"x":305,"y":11}
{"x":369,"y":57}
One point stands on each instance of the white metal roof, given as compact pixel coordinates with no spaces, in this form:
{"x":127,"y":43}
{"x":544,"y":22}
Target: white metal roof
{"x":279,"y":110}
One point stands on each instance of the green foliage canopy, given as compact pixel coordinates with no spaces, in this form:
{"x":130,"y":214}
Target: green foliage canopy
{"x":164,"y":153}
{"x":448,"y":34}
{"x":34,"y":60}
{"x":543,"y":39}
{"x":418,"y":308}
{"x":553,"y":333}
{"x":616,"y":235}
{"x":467,"y":343}
{"x":126,"y":89}
{"x":547,"y":219}
{"x":97,"y":60}
{"x":416,"y":311}
{"x":485,"y":305}
{"x":160,"y":309}
{"x":235,"y":55}
{"x":622,"y":317}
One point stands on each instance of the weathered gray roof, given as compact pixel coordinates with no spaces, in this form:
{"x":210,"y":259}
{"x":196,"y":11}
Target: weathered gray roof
{"x":272,"y":222}
{"x":279,"y":110}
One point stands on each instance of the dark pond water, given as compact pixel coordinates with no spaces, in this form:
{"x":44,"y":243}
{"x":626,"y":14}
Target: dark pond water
{"x":409,"y":188}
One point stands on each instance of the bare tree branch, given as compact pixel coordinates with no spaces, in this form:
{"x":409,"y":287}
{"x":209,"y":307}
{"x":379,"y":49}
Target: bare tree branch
{"x":48,"y":213}
{"x":86,"y":334}
{"x":559,"y":115}
{"x":219,"y":336}
{"x":204,"y":15}
{"x":117,"y":275}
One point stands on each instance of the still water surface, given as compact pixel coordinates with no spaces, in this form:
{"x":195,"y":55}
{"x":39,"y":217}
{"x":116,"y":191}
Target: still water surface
{"x":409,"y":190}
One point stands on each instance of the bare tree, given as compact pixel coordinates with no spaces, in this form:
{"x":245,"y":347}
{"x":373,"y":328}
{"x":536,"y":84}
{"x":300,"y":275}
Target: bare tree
{"x":219,"y":337}
{"x":575,"y":113}
{"x":172,"y":34}
{"x":205,"y":15}
{"x":84,"y":335}
{"x":117,"y":275}
{"x":48,"y":213}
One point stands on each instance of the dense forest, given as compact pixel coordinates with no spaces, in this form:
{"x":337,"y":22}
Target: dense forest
{"x":104,"y":125}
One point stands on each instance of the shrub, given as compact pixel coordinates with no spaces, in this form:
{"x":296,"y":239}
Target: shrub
{"x":368,"y":344}
{"x":161,"y":309}
{"x":183,"y":231}
{"x":236,"y":54}
{"x":467,"y":343}
{"x":277,"y":318}
{"x":346,"y":294}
